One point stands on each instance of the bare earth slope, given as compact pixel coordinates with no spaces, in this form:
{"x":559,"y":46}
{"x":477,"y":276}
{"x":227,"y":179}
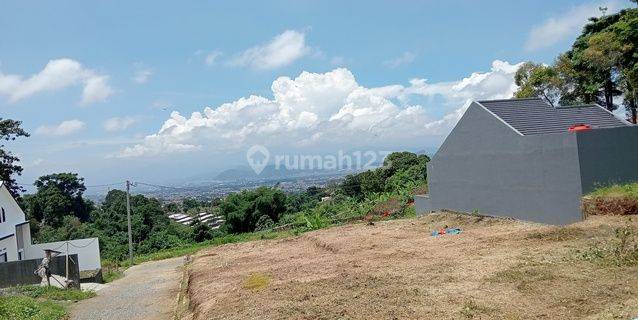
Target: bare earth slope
{"x":148,"y":291}
{"x":495,"y":269}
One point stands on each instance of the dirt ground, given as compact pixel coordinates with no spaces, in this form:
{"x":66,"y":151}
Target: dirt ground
{"x":494,"y":269}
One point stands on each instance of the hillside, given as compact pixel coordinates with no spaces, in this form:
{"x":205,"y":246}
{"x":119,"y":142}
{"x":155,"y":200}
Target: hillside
{"x":496,"y":268}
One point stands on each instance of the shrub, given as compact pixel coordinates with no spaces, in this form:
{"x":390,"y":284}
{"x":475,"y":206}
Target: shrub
{"x":315,"y":220}
{"x":387,"y":208}
{"x":264,"y":223}
{"x":621,"y":250}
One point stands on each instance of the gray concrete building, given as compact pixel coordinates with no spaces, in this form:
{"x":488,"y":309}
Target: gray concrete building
{"x":523,"y":158}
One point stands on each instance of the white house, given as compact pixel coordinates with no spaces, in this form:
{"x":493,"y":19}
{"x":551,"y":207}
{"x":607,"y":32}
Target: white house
{"x":15,"y":238}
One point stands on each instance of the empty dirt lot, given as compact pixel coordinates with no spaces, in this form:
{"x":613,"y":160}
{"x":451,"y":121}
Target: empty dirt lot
{"x":495,"y":269}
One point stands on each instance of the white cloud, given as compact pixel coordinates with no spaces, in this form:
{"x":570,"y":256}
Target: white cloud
{"x":211,"y":58}
{"x":64,"y":128}
{"x":142,"y":74}
{"x":337,"y":61}
{"x":328,"y":109}
{"x":569,"y":24}
{"x":406,"y":58}
{"x":96,"y":89}
{"x":118,"y":124}
{"x":281,"y":51}
{"x":56,"y":75}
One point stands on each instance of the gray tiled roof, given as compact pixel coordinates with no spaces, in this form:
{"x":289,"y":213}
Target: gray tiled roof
{"x":535,"y":116}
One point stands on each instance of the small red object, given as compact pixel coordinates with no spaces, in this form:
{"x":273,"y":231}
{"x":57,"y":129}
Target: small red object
{"x":580,"y":127}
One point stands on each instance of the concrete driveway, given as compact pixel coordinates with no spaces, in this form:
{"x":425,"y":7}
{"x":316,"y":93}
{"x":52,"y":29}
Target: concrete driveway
{"x":147,"y":291}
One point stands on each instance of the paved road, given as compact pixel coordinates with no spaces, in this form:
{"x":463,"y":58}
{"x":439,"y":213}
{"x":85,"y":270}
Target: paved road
{"x":148,"y":291}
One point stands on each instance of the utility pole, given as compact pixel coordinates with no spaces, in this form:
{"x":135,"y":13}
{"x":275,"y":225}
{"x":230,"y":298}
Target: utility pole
{"x":66,"y":283}
{"x":128,"y":216}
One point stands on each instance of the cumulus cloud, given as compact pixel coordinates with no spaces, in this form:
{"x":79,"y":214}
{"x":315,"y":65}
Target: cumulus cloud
{"x":566,"y":25}
{"x":118,"y":124}
{"x":142,"y":74}
{"x":64,"y":128}
{"x":329,"y":108}
{"x":281,"y":51}
{"x":211,"y":58}
{"x":406,"y":58}
{"x":56,"y":75}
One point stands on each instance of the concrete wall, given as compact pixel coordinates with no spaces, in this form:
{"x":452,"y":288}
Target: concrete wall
{"x":486,"y":166}
{"x":21,"y":272}
{"x":9,"y":246}
{"x":422,"y":204}
{"x":608,"y":156}
{"x":88,"y":251}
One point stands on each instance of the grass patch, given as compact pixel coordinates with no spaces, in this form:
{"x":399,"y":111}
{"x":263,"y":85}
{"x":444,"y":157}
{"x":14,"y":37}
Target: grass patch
{"x":470,"y":310}
{"x":112,"y":274}
{"x":557,"y":234}
{"x":623,"y":190}
{"x":524,"y":277}
{"x":612,"y":200}
{"x":620,"y":250}
{"x":50,"y":293}
{"x":27,"y":308}
{"x":256,"y":281}
{"x":194,"y":248}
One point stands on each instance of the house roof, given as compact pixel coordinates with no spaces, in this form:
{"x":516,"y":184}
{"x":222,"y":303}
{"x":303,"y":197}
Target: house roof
{"x":535,"y":116}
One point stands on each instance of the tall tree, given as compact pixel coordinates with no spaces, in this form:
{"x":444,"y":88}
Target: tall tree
{"x":538,"y":80}
{"x":600,"y":66}
{"x":58,"y":195}
{"x":625,"y":30}
{"x":9,"y":167}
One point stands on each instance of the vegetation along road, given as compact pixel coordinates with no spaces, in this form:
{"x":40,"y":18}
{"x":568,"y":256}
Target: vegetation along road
{"x":148,"y":291}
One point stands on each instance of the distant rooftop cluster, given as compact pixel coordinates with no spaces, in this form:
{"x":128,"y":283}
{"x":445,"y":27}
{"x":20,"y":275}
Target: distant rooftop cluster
{"x":212,"y":220}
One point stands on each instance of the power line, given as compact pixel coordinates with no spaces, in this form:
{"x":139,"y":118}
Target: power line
{"x":106,"y":185}
{"x":92,"y":186}
{"x":159,"y":186}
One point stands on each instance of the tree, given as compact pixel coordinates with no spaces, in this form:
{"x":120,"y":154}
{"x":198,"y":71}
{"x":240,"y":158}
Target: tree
{"x":9,"y":167}
{"x":626,"y":32}
{"x":400,"y":161}
{"x":600,"y":66}
{"x":201,"y":231}
{"x":538,"y":80}
{"x":243,"y":210}
{"x":152,"y":229}
{"x":58,"y":195}
{"x":351,"y":185}
{"x":372,"y":181}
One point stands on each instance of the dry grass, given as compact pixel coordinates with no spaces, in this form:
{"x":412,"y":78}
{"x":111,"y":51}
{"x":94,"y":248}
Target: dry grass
{"x":495,"y":269}
{"x":610,"y":205}
{"x":256,"y":281}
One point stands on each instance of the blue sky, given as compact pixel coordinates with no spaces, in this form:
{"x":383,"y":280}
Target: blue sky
{"x":95,"y":81}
